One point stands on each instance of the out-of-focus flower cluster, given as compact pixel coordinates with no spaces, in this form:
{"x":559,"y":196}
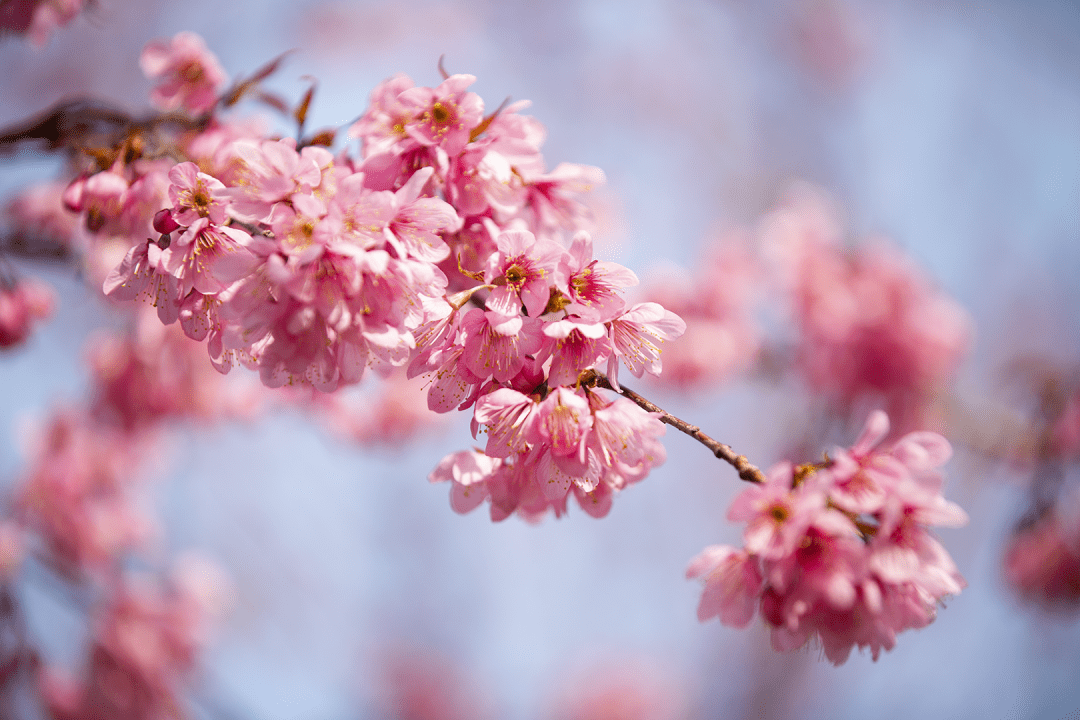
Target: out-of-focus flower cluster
{"x":80,"y":512}
{"x":866,"y":327}
{"x":840,"y":551}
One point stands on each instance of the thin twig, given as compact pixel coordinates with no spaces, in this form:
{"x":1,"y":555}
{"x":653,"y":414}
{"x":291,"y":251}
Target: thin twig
{"x":747,"y":471}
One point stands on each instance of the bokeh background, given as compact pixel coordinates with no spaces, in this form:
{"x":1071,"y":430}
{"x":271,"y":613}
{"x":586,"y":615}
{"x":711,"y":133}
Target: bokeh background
{"x":952,"y":128}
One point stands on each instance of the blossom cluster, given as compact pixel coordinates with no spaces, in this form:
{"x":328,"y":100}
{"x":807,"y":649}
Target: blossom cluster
{"x":840,"y":551}
{"x":144,"y":642}
{"x":872,"y":330}
{"x":446,"y":247}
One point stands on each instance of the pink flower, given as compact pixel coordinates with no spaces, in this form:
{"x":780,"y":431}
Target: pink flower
{"x":717,"y":302}
{"x":191,"y":75}
{"x":637,"y":336}
{"x":142,"y":276}
{"x":523,"y":272}
{"x":37,"y":18}
{"x":1042,"y":562}
{"x":594,"y":287}
{"x":509,"y":417}
{"x":578,"y":346}
{"x":469,"y":471}
{"x":38,"y":212}
{"x":195,"y":195}
{"x":22,"y":305}
{"x":732,"y":584}
{"x":496,"y":345}
{"x":852,"y":578}
{"x":383,"y":124}
{"x":443,"y":116}
{"x":208,"y":259}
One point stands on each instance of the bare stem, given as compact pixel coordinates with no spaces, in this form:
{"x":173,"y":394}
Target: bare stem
{"x":747,"y":471}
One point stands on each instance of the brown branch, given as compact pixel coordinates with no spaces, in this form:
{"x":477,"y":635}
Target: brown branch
{"x":747,"y":471}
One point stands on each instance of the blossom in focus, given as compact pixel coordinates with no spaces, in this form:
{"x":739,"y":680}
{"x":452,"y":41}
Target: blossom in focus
{"x":190,"y":74}
{"x":814,"y":568}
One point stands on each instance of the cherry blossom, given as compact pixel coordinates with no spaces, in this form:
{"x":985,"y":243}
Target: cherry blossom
{"x":821,"y":561}
{"x":22,"y":305}
{"x":191,"y":75}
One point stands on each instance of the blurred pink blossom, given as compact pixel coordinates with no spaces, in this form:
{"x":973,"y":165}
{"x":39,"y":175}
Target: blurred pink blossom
{"x":190,"y":74}
{"x":22,"y":305}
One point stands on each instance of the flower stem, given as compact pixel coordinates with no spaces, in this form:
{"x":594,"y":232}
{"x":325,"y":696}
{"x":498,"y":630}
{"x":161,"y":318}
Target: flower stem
{"x":747,"y":471}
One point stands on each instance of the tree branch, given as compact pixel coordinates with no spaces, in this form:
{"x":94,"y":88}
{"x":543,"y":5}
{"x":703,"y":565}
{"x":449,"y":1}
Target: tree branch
{"x":747,"y":471}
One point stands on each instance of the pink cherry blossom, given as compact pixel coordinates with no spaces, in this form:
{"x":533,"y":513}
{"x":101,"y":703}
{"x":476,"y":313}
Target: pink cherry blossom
{"x":636,"y":338}
{"x":22,"y":305}
{"x":522,"y":271}
{"x":191,"y":75}
{"x":1042,"y":562}
{"x":38,"y":18}
{"x":850,"y":578}
{"x":445,"y":115}
{"x":195,"y":195}
{"x":594,"y":287}
{"x":732,"y":584}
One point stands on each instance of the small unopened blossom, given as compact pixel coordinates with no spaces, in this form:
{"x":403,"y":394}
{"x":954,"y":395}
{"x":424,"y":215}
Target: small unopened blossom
{"x":841,"y":552}
{"x":190,"y":74}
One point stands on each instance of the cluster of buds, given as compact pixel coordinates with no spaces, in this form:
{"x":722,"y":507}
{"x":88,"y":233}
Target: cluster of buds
{"x":840,"y":550}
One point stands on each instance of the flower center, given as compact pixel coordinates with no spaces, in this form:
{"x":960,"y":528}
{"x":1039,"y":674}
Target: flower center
{"x":192,"y":72}
{"x":440,"y":113}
